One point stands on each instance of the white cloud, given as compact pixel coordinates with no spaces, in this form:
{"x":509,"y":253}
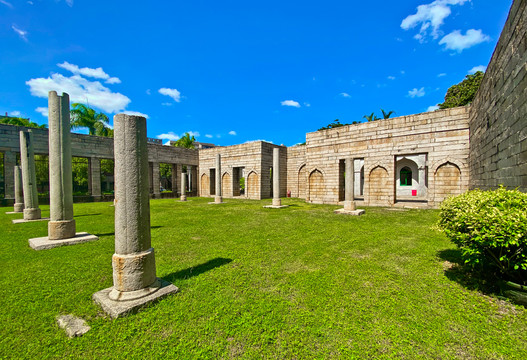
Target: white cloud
{"x":345,"y":95}
{"x":475,"y":69}
{"x":193,"y":133}
{"x":432,"y":108}
{"x":168,"y":136}
{"x":403,"y":72}
{"x":391,"y":77}
{"x":43,"y":111}
{"x":441,"y":75}
{"x":136,"y":113}
{"x":430,"y":17}
{"x":15,"y":113}
{"x":290,"y":103}
{"x":70,"y":3}
{"x":20,"y":32}
{"x":209,"y":136}
{"x":148,"y":92}
{"x":30,"y":2}
{"x":173,"y":93}
{"x":167,"y":104}
{"x":80,"y":90}
{"x":113,"y":80}
{"x":97,"y":73}
{"x":232,"y":132}
{"x":306,"y":104}
{"x":9,"y":5}
{"x":416,"y":92}
{"x":458,"y":42}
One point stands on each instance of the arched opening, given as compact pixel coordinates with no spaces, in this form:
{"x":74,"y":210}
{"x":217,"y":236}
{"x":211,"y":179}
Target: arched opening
{"x":405,"y":176}
{"x":226,"y":185}
{"x":302,"y":182}
{"x":410,"y":178}
{"x":379,"y":189}
{"x":447,"y":182}
{"x":204,"y":185}
{"x":253,"y":186}
{"x":316,"y":186}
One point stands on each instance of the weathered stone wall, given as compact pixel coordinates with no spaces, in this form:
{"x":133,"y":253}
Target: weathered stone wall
{"x":498,"y":117}
{"x":296,"y":159}
{"x":267,"y":163}
{"x":442,"y":136}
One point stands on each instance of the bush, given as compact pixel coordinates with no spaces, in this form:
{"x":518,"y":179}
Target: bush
{"x":490,"y":227}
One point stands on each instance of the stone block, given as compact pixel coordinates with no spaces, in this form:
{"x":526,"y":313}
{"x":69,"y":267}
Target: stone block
{"x":73,"y":326}
{"x":44,"y":243}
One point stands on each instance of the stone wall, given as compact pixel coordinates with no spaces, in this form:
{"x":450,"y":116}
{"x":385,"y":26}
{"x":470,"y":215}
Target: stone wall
{"x":442,"y":137}
{"x":498,"y":118}
{"x":296,"y":178}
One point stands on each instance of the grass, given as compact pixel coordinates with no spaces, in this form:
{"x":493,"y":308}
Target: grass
{"x":299,"y":283}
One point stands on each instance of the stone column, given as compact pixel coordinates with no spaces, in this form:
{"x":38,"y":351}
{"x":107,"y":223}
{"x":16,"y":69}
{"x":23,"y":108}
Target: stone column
{"x":9,"y":167}
{"x":193,"y":179}
{"x":174,"y":179}
{"x":61,"y":225}
{"x":276,"y":177}
{"x":19,"y":194}
{"x":29,"y":176}
{"x":179,"y":170}
{"x":349,"y":186}
{"x":183,"y":186}
{"x":218,"y":197}
{"x":155,"y":180}
{"x":150,"y":177}
{"x":95,"y":176}
{"x":134,"y":269}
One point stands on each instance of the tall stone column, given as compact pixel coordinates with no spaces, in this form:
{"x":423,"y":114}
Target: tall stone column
{"x":62,"y":225}
{"x":218,"y":197}
{"x":29,"y":176}
{"x":9,"y":167}
{"x":179,"y":170}
{"x":349,"y":188}
{"x":95,"y":177}
{"x":134,"y":270}
{"x":276,"y":177}
{"x":183,"y":186}
{"x":155,"y":179}
{"x":19,"y":194}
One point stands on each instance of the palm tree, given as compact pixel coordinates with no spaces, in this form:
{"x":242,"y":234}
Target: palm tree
{"x":18,"y":121}
{"x":186,"y":141}
{"x":370,"y":117}
{"x":83,"y":116}
{"x":386,"y":115}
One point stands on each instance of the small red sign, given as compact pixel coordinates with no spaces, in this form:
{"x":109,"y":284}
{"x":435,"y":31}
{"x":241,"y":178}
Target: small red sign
{"x":414,"y":192}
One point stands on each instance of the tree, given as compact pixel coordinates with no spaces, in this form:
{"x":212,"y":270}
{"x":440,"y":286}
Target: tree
{"x":336,"y":123}
{"x":371,"y":117}
{"x":83,"y":116}
{"x":186,"y":141}
{"x":386,"y":115}
{"x":463,"y":93}
{"x":18,"y":121}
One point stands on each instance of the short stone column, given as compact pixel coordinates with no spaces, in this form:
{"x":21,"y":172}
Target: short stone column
{"x":183,"y":186}
{"x":179,"y":170}
{"x":9,"y":176}
{"x":61,"y":228}
{"x":95,"y":177}
{"x":349,"y":189}
{"x":277,"y":202}
{"x":134,"y":270}
{"x":218,"y":197}
{"x":155,"y":180}
{"x":19,"y":193}
{"x":29,"y":176}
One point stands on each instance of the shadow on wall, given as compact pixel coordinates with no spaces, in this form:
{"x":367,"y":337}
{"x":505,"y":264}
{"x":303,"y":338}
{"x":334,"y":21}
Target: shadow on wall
{"x":197,"y":270}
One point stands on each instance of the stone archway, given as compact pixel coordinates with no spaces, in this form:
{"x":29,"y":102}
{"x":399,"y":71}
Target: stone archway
{"x":302,"y":182}
{"x":204,"y":182}
{"x":447,"y":182}
{"x":379,"y":189}
{"x":226,"y":185}
{"x":316,"y":186}
{"x":253,"y":186}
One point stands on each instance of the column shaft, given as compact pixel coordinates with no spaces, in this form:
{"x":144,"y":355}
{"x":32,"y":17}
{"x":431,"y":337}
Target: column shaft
{"x":155,"y":179}
{"x":9,"y":166}
{"x":19,"y":193}
{"x":29,"y":176}
{"x":95,"y":177}
{"x":276,"y":177}
{"x":183,"y":186}
{"x":349,"y":203}
{"x":218,"y":197}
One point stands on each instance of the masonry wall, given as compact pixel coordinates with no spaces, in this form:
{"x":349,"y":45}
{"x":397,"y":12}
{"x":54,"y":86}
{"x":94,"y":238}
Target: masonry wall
{"x":267,"y":163}
{"x":442,"y":135}
{"x":296,"y":160}
{"x":498,"y":118}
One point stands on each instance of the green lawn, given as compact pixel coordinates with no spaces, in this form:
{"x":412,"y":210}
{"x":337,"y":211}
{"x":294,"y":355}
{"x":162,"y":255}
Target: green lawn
{"x":295,"y":283}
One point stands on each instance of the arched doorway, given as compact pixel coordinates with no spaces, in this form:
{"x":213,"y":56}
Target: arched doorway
{"x":316,"y":186}
{"x":204,"y":182}
{"x":302,"y":182}
{"x":379,"y":194}
{"x":447,"y":182}
{"x":253,"y":186}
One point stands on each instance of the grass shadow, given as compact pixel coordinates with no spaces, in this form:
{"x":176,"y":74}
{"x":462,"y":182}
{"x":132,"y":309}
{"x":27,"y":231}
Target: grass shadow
{"x":87,"y":215}
{"x":197,"y":270}
{"x":113,"y":233}
{"x":456,"y":270}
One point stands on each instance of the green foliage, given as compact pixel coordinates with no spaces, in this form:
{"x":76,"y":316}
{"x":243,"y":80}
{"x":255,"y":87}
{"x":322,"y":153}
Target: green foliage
{"x":371,"y":117}
{"x":386,"y":115}
{"x":18,"y":121}
{"x":463,"y":93}
{"x":82,"y":116}
{"x":335,"y":124}
{"x":79,"y":167}
{"x":490,"y":227}
{"x":186,"y":141}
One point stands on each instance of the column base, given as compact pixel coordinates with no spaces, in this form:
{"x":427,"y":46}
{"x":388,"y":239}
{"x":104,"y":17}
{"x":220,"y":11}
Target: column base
{"x":64,"y":229}
{"x":183,"y":198}
{"x":18,"y":208}
{"x":120,"y":308}
{"x":276,"y":204}
{"x":32,"y":214}
{"x":357,"y":212}
{"x":44,"y":243}
{"x":217,"y":200}
{"x":349,"y":205}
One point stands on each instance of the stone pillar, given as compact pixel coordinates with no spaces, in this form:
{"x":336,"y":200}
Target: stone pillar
{"x":174,"y":179}
{"x":19,"y":194}
{"x":134,"y":269}
{"x":94,"y":167}
{"x":276,"y":177}
{"x":61,"y":225}
{"x":183,"y":186}
{"x":150,"y":177}
{"x":193,"y":179}
{"x":29,"y":176}
{"x":155,"y":180}
{"x":179,"y":170}
{"x":349,"y":186}
{"x":218,"y":197}
{"x":9,"y":175}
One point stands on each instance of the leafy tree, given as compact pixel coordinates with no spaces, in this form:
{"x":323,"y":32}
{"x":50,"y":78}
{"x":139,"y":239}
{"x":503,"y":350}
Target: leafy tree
{"x":186,"y":141}
{"x":83,"y":116}
{"x":335,"y":124}
{"x":18,"y":121}
{"x":386,"y":115}
{"x":463,"y":93}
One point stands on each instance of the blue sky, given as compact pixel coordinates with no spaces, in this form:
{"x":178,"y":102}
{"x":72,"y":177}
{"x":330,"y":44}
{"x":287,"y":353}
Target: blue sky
{"x":236,"y":71}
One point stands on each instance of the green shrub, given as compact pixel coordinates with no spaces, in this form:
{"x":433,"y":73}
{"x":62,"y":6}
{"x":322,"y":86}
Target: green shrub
{"x":490,"y":227}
